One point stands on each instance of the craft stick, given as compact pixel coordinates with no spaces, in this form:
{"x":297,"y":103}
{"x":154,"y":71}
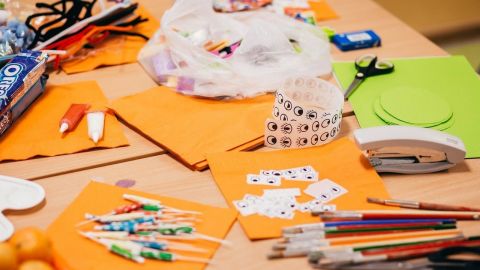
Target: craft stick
{"x":214,"y":239}
{"x":421,"y":205}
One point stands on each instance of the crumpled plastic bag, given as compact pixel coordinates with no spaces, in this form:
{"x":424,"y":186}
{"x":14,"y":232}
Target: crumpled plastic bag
{"x":272,"y":47}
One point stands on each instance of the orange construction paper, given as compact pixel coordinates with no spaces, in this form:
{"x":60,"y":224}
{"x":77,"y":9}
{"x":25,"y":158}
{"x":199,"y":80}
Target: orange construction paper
{"x":323,"y":11}
{"x":36,"y":132}
{"x":116,"y":50}
{"x":74,"y":252}
{"x":341,"y":161}
{"x":191,"y":127}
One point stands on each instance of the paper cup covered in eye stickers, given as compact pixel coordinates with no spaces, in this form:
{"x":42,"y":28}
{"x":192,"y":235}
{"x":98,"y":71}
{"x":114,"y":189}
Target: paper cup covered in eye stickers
{"x":307,"y":112}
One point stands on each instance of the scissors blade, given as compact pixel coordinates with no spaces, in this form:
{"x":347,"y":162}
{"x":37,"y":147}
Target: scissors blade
{"x":356,"y":82}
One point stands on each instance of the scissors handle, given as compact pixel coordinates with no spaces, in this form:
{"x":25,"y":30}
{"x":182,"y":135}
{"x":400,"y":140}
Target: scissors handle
{"x":381,"y":67}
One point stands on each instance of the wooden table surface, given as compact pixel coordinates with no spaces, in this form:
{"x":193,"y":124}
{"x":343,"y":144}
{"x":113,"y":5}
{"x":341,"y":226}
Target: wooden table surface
{"x":154,"y":171}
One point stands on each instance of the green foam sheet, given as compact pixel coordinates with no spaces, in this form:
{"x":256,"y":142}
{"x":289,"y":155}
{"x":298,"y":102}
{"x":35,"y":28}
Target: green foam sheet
{"x":450,"y":78}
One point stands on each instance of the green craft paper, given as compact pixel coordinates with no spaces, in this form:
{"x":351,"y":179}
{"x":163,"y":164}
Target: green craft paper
{"x":389,"y":119}
{"x":434,"y":108}
{"x":452,"y":78}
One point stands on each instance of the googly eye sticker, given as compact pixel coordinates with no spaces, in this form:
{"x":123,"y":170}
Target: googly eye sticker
{"x":301,"y":141}
{"x":266,"y":173}
{"x":286,"y":128}
{"x":285,"y":142}
{"x":272,"y":126}
{"x":302,"y":128}
{"x":325,"y":123}
{"x":271,"y":140}
{"x":287,"y":105}
{"x":276,"y":111}
{"x":298,"y":111}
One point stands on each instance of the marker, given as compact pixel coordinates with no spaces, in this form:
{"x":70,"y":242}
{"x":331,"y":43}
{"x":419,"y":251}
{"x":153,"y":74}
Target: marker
{"x":95,"y":121}
{"x":72,"y":117}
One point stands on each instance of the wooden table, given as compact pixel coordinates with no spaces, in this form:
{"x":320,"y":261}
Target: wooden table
{"x":156,"y":172}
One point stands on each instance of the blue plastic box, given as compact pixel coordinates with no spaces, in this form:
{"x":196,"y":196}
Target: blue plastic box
{"x":356,"y":40}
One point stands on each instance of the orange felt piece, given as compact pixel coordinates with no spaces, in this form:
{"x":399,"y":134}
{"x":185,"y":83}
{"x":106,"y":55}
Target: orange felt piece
{"x":323,"y":11}
{"x":191,"y":127}
{"x":73,"y":251}
{"x":116,"y":50}
{"x":341,"y":161}
{"x":36,"y":132}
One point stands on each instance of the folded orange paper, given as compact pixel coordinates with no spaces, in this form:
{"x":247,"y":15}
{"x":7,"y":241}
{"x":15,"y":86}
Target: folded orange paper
{"x":341,"y":161}
{"x":115,"y":50}
{"x":191,"y":127}
{"x":73,"y":251}
{"x":323,"y":11}
{"x":36,"y":133}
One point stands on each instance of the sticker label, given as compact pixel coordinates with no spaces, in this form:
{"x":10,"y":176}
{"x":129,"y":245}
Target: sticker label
{"x":325,"y":190}
{"x":307,"y":112}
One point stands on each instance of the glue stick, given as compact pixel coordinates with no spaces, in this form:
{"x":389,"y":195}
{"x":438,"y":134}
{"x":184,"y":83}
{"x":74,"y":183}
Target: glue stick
{"x":95,"y":121}
{"x":72,"y":117}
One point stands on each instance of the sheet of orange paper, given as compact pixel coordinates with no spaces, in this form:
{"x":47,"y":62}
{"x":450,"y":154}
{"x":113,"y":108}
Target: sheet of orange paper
{"x":191,"y":127}
{"x":36,"y":132}
{"x":341,"y":161}
{"x":76,"y":252}
{"x":323,"y":11}
{"x":116,"y":50}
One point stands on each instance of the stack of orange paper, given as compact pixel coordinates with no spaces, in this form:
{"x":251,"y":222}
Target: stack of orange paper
{"x":74,"y":252}
{"x":190,"y":127}
{"x":115,"y":50}
{"x":36,"y":131}
{"x":322,"y":10}
{"x":341,"y":161}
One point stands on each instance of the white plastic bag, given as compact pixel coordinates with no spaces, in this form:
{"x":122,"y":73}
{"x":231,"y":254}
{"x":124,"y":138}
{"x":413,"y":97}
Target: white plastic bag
{"x":175,"y":57}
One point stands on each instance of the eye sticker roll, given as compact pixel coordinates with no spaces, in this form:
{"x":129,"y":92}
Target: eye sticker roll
{"x":307,"y":112}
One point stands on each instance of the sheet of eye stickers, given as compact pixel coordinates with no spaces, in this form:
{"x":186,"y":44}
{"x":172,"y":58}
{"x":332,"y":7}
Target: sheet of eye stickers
{"x":274,"y":177}
{"x":278,"y":203}
{"x":307,"y":112}
{"x":281,"y":202}
{"x":325,"y":190}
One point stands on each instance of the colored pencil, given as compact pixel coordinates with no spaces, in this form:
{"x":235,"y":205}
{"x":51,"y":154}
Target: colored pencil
{"x":421,"y":205}
{"x":381,"y":214}
{"x":362,"y":257}
{"x":450,"y":242}
{"x":321,"y":225}
{"x":317,"y":252}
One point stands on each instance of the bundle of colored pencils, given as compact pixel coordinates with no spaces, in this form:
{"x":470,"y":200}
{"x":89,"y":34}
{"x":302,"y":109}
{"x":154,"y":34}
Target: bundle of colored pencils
{"x":351,"y":237}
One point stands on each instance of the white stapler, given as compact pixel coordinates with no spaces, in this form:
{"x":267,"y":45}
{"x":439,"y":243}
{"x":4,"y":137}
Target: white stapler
{"x":409,"y":150}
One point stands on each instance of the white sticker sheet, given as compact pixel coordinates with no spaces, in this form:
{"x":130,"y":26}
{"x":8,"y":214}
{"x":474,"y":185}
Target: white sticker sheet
{"x":274,"y":177}
{"x":277,"y":203}
{"x":325,"y":190}
{"x":307,"y":112}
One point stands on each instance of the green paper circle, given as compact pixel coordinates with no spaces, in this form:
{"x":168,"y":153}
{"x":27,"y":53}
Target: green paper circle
{"x":415,"y":106}
{"x":390,"y":120}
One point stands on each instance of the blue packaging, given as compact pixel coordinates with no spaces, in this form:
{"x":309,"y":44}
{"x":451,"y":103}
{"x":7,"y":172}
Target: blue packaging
{"x":356,"y":40}
{"x":21,"y":83}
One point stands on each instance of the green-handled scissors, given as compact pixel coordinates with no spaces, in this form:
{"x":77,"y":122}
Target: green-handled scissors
{"x":368,"y":65}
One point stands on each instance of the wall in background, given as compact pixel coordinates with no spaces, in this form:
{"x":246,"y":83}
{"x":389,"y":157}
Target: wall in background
{"x":452,"y":24}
